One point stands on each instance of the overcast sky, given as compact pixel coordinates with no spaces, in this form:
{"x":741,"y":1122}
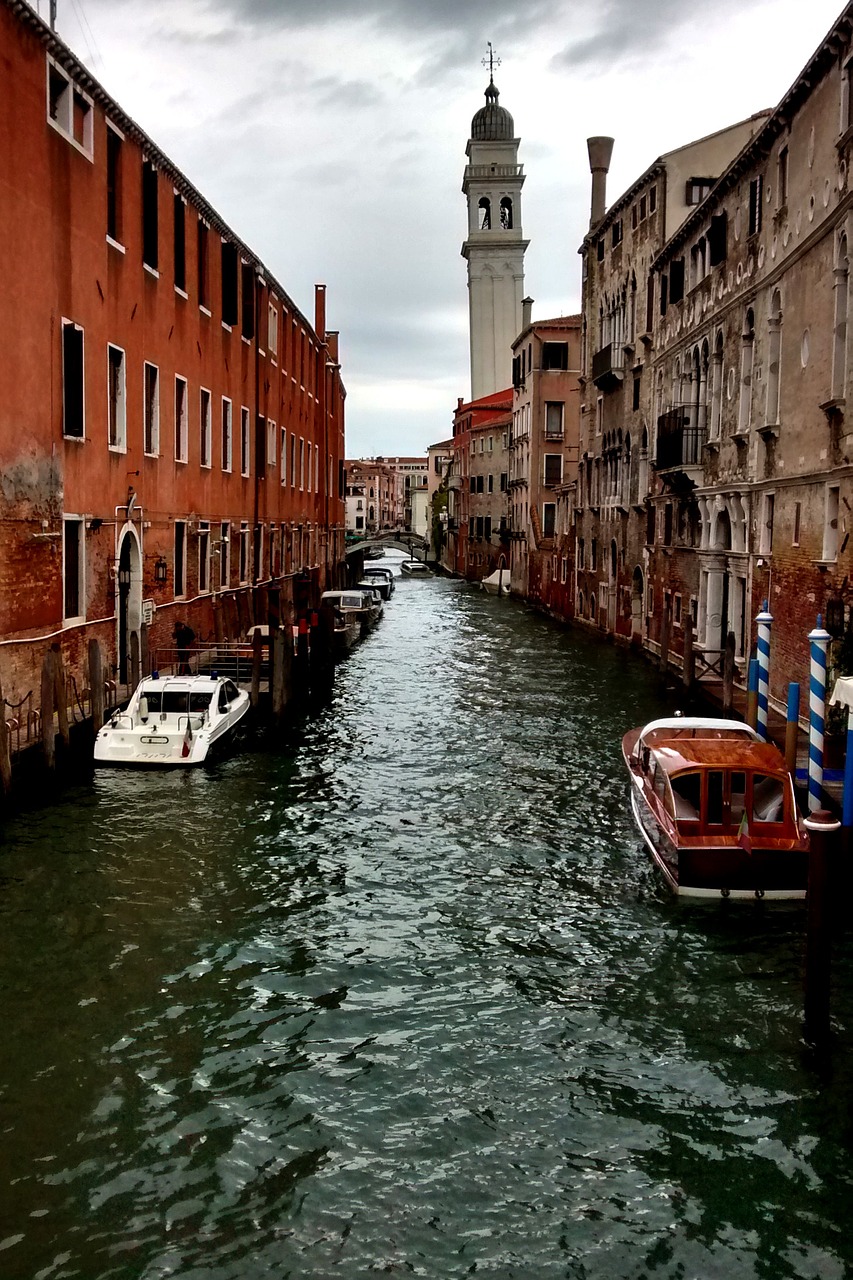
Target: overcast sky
{"x":331,"y":137}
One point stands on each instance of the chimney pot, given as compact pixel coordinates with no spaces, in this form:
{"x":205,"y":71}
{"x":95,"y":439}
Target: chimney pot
{"x":600,"y":151}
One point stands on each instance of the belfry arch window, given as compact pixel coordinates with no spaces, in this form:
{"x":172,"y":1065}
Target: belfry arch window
{"x":506,"y":214}
{"x":485,"y":213}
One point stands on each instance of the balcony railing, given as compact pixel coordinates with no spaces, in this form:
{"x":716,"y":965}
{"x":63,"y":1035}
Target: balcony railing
{"x":607,"y":365}
{"x":678,"y":444}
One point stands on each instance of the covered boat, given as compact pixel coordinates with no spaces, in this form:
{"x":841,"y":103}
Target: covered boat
{"x":415,"y":569}
{"x":497,"y":583}
{"x":716,"y":807}
{"x":172,"y":721}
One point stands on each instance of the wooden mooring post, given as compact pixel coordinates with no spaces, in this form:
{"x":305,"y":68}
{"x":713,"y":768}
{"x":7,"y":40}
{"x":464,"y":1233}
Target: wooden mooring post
{"x":257,"y":661}
{"x":96,"y":684}
{"x":48,"y":688}
{"x":823,"y":832}
{"x":688,"y":667}
{"x":5,"y":756}
{"x":729,"y":673}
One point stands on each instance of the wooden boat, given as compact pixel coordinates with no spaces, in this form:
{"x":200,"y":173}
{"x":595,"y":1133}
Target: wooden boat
{"x":415,"y":569}
{"x":172,"y":721}
{"x":716,"y":807}
{"x":354,"y":605}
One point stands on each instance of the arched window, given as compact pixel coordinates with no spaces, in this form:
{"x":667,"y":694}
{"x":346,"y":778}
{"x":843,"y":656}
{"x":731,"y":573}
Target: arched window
{"x":839,"y":346}
{"x":744,"y":416}
{"x":774,"y":357}
{"x":506,"y":213}
{"x":581,"y":604}
{"x":485,"y":209}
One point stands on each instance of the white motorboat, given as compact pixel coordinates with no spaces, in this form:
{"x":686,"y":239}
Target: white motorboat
{"x":382,"y":577}
{"x":415,"y":569}
{"x":172,"y":721}
{"x":353,"y":604}
{"x":497,"y":583}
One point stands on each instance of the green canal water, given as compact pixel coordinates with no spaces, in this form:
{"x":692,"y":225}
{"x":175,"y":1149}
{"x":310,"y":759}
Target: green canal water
{"x":403,"y":995}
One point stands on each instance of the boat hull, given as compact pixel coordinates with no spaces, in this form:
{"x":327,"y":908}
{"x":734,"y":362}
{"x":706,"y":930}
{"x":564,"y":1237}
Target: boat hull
{"x":721,"y":871}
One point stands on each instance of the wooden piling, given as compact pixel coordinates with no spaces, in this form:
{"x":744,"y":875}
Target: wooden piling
{"x":278,"y":649}
{"x":792,"y":728}
{"x":688,"y":668}
{"x":144,"y":656}
{"x":96,"y":684}
{"x":60,"y":694}
{"x":48,"y":733}
{"x":823,"y":840}
{"x":752,"y":694}
{"x":729,"y":673}
{"x":5,"y":756}
{"x":257,"y":661}
{"x":664,"y":637}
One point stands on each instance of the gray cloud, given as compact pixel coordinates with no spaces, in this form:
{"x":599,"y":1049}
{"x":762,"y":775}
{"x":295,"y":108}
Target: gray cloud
{"x":626,"y":31}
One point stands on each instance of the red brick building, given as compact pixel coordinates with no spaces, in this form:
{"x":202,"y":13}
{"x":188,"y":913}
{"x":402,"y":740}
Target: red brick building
{"x":171,"y":424}
{"x":477,"y":486}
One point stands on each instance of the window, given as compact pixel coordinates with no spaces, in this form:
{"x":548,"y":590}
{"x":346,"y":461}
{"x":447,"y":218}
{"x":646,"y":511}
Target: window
{"x":746,"y":363}
{"x":69,"y":109}
{"x":205,"y":429}
{"x":697,"y":190}
{"x":224,"y":549}
{"x":765,"y":537}
{"x":717,"y":236}
{"x":555,"y":355}
{"x":553,"y":469}
{"x":226,"y":434}
{"x":180,"y":246}
{"x":599,"y":249}
{"x":830,"y":524}
{"x":563,"y":569}
{"x":284,"y":457}
{"x":839,"y":346}
{"x":230,"y":265}
{"x":247,"y":272}
{"x":506,"y":213}
{"x":503,"y":481}
{"x":72,"y":380}
{"x":635,"y":393}
{"x":180,"y":558}
{"x":549,"y":519}
{"x":593,"y":555}
{"x":774,"y":357}
{"x":616,"y":233}
{"x":272,"y":331}
{"x":180,"y":419}
{"x":484,"y":214}
{"x":554,"y":419}
{"x":795,"y":540}
{"x":301,"y":463}
{"x":116,"y":398}
{"x":244,"y":552}
{"x":73,"y":549}
{"x":203,"y":556}
{"x":782,"y":178}
{"x":150,"y":217}
{"x":676,"y":280}
{"x":293,"y":465}
{"x":245,"y":441}
{"x":113,"y":185}
{"x":202,"y":265}
{"x":151,"y":409}
{"x":579,"y":554}
{"x":755,"y":197}
{"x":271,"y":443}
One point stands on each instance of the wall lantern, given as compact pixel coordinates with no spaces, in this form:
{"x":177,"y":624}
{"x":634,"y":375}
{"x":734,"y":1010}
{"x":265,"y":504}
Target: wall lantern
{"x":161,"y":570}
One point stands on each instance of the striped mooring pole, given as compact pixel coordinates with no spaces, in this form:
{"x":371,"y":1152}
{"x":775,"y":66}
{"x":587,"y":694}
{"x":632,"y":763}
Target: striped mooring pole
{"x":818,"y":643}
{"x":764,"y":622}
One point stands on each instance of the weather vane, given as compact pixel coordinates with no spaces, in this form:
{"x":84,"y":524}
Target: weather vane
{"x":491,"y":62}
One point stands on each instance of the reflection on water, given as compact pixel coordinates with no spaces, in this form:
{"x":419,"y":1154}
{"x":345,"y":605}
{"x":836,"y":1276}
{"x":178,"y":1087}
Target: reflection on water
{"x":402,"y":994}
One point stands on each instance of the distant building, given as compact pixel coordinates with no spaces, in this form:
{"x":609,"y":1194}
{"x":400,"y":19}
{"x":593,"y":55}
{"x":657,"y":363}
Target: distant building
{"x":477,"y":494}
{"x":171,"y":423}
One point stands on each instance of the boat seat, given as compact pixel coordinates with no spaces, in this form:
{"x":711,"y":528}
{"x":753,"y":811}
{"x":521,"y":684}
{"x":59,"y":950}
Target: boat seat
{"x":684,"y":810}
{"x":767,"y":800}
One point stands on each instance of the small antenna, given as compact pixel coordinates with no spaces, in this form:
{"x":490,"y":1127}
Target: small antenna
{"x":491,"y":62}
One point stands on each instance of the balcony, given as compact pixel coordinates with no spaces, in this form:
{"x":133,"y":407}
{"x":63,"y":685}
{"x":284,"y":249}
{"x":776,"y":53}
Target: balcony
{"x":679,"y":445}
{"x":607,"y":366}
{"x":454,"y":482}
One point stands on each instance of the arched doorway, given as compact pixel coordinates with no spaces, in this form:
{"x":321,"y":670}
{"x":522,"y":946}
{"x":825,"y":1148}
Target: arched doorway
{"x":128,"y":597}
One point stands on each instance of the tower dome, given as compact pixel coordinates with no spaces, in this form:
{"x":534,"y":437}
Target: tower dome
{"x":492,"y":123}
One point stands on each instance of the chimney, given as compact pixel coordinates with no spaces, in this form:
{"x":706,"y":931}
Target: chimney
{"x":526,"y":313}
{"x":320,"y":311}
{"x":600,"y":150}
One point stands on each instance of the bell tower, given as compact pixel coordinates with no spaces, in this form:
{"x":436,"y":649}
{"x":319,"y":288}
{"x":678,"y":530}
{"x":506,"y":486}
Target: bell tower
{"x":494,"y":248}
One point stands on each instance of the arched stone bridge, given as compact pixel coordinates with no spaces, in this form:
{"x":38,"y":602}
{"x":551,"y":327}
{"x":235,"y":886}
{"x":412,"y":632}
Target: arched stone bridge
{"x":412,"y":543}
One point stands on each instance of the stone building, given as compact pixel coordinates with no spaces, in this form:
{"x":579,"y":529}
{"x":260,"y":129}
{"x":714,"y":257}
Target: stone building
{"x":171,"y":423}
{"x":469,"y":500}
{"x":751,"y":375}
{"x":543,"y":453}
{"x":620,"y":308}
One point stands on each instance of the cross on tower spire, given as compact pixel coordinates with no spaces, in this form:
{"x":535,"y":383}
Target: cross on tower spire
{"x":491,"y":62}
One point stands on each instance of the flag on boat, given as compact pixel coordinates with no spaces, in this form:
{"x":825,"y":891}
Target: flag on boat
{"x":743,"y":837}
{"x":188,"y":739}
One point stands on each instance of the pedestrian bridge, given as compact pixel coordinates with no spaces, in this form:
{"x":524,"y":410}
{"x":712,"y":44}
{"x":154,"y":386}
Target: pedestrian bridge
{"x":412,"y":544}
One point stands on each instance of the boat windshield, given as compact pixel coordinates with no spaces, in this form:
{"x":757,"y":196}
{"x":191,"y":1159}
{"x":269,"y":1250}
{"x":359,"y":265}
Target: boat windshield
{"x":172,"y":702}
{"x":728,"y":793}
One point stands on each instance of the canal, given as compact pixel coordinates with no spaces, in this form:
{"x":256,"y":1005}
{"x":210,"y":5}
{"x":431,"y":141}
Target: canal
{"x":403,"y":995}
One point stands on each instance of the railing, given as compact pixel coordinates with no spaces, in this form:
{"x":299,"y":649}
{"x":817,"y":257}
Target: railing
{"x":678,"y":443}
{"x":607,"y":364}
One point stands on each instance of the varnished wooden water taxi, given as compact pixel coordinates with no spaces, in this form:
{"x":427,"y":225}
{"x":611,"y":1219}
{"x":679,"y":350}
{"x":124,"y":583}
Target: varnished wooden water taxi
{"x":716,"y":807}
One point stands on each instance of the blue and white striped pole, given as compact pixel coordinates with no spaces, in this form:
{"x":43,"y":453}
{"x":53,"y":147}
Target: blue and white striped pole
{"x":818,"y":643}
{"x":764,"y":622}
